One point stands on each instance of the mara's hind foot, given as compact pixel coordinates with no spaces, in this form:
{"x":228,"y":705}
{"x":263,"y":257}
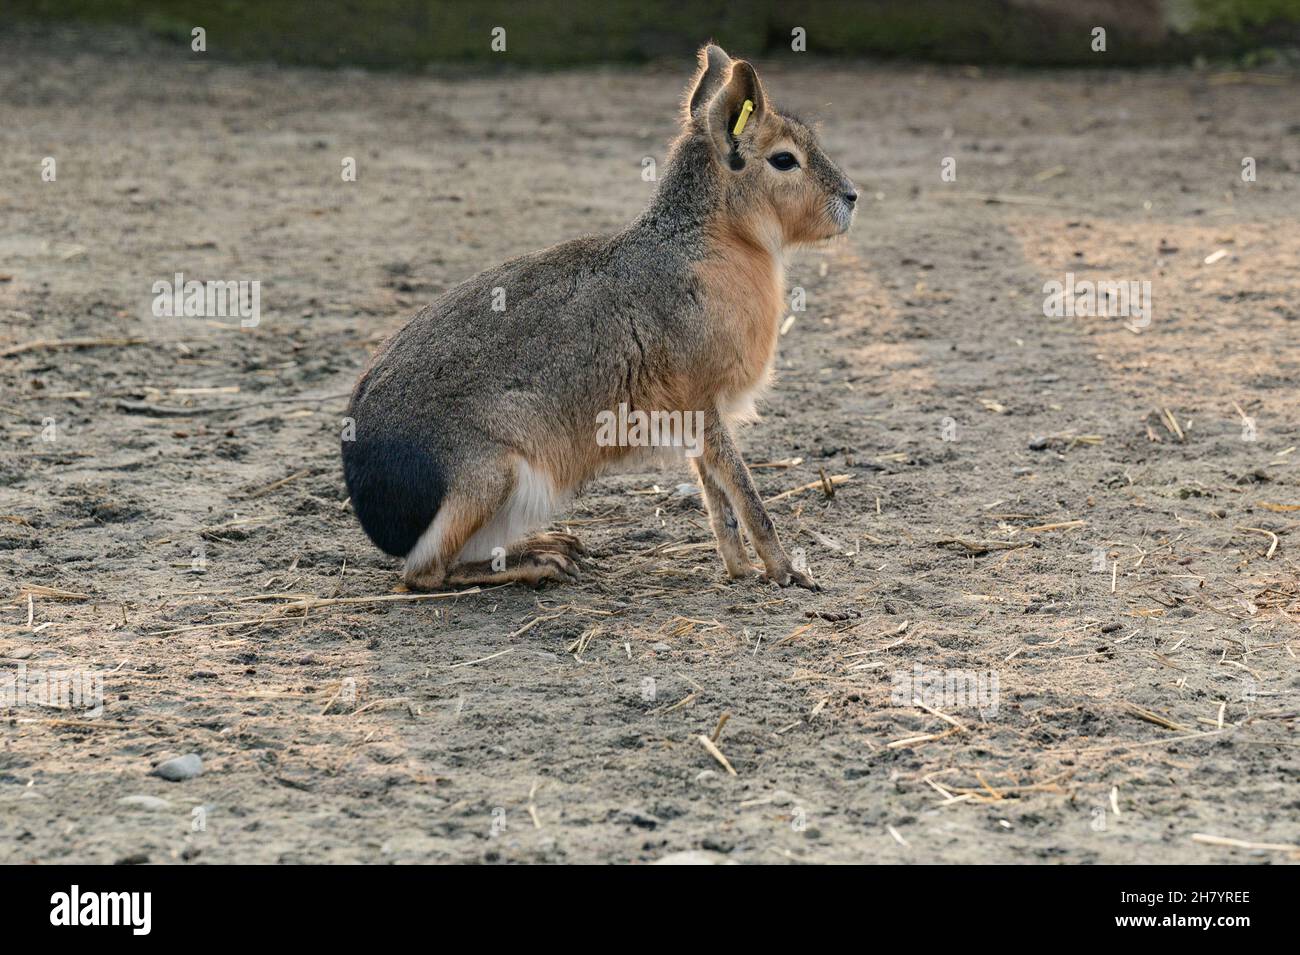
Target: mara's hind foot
{"x":554,"y":542}
{"x":533,"y":567}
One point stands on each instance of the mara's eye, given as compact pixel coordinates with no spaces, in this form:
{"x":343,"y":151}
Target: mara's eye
{"x":783,"y":161}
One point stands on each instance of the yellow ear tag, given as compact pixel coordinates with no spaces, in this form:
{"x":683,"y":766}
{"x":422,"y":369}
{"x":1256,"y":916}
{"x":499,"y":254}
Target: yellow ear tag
{"x":744,"y":118}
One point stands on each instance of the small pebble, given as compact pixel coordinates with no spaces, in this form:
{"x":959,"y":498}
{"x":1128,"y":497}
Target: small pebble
{"x":1038,"y":444}
{"x":180,"y":768}
{"x":151,"y":803}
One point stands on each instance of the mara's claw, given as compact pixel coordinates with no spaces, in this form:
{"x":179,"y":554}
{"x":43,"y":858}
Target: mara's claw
{"x":788,"y":576}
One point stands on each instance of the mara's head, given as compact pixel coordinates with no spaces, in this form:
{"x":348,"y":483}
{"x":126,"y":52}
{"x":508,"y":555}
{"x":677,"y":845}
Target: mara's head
{"x":775,"y":180}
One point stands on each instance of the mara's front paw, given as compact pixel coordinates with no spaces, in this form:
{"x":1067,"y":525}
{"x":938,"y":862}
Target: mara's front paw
{"x":740,"y":569}
{"x":787,"y":575}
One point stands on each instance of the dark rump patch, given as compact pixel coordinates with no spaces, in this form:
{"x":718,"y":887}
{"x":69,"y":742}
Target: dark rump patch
{"x":396,"y":488}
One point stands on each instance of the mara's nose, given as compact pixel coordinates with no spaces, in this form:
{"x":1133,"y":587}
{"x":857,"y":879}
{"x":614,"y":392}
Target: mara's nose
{"x":850,"y":197}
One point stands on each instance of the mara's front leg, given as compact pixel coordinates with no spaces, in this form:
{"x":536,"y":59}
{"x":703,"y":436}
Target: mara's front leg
{"x":722,"y":461}
{"x":726,"y":526}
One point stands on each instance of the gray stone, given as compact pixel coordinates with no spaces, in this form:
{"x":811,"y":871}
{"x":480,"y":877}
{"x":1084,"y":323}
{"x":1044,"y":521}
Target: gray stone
{"x":180,"y":768}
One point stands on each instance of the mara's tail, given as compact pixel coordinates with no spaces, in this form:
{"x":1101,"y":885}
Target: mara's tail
{"x":396,"y":488}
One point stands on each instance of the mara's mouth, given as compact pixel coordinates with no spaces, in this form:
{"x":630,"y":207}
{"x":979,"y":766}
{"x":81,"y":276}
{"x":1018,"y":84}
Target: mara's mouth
{"x":843,"y":212}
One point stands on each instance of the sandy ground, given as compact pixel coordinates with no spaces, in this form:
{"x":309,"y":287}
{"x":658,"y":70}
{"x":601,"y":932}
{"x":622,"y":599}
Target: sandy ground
{"x":1019,"y":505}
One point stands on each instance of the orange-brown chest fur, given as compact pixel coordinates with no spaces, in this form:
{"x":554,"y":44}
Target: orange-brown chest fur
{"x":743,"y":285}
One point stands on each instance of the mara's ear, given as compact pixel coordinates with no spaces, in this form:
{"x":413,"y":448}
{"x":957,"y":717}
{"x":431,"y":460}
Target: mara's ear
{"x":724,"y":112}
{"x":711,"y":74}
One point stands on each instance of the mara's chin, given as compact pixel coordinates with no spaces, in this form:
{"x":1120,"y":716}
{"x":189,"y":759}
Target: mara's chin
{"x":834,"y":229}
{"x":844,"y":219}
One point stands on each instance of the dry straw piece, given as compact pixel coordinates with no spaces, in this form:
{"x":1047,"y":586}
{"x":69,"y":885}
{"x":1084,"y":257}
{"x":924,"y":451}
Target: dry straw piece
{"x":716,"y":753}
{"x":1209,"y":840}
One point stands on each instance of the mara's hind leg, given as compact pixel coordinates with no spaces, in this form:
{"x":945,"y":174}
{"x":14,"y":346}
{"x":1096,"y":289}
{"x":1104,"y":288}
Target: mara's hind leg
{"x":479,"y":533}
{"x":464,"y":511}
